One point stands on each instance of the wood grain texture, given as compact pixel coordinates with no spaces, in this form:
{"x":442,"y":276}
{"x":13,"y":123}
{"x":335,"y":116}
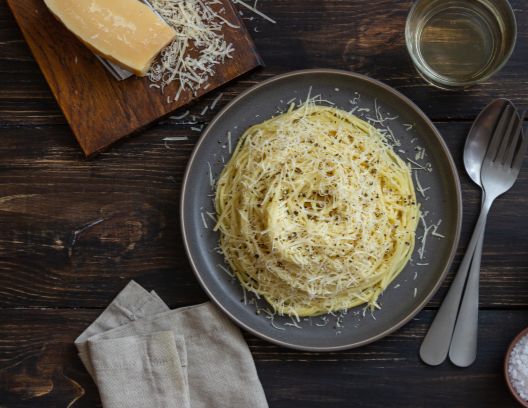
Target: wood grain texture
{"x":73,"y":231}
{"x":99,"y":109}
{"x":80,"y":229}
{"x":39,"y":367}
{"x":309,"y":34}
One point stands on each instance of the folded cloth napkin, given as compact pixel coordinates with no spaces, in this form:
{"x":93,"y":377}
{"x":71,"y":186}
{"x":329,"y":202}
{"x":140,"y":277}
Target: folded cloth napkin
{"x":141,"y":354}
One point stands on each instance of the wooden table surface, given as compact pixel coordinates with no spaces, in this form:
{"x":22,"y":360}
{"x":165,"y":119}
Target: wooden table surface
{"x":73,"y":231}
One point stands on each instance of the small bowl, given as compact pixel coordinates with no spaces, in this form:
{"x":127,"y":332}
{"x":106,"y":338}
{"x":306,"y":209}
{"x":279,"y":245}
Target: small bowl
{"x":506,"y":363}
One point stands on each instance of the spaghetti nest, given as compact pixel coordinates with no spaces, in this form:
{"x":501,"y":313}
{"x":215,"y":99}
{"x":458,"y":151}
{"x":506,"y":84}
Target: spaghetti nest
{"x":316,"y":212}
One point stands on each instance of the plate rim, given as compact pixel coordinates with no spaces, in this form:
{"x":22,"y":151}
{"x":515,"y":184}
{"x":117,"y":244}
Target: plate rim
{"x":454,"y":174}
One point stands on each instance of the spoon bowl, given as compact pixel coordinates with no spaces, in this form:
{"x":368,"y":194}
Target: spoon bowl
{"x":479,"y":136}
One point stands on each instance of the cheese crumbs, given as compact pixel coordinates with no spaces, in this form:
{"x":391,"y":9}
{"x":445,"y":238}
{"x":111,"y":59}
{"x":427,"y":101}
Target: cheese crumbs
{"x":199,"y":46}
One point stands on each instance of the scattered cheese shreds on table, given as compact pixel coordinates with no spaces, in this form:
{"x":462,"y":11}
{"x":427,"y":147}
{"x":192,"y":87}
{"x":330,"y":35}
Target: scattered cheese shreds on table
{"x":199,"y":46}
{"x":175,"y":138}
{"x":254,"y":10}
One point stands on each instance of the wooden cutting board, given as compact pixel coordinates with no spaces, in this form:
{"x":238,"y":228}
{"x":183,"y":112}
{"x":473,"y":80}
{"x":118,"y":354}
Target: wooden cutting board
{"x":100,"y":109}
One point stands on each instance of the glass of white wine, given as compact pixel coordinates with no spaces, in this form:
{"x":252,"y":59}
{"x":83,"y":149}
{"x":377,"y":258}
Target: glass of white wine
{"x":458,"y":43}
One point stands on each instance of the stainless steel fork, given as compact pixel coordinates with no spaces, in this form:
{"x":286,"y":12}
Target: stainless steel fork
{"x":500,"y":169}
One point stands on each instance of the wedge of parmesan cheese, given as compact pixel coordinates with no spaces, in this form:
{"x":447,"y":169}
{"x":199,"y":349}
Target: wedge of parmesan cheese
{"x":126,"y":32}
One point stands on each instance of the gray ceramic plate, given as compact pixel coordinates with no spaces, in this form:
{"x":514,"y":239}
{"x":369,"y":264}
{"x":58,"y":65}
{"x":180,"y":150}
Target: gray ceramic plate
{"x":410,"y":292}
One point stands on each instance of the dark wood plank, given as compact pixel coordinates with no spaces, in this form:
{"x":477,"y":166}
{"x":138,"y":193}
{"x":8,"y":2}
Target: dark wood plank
{"x":39,"y":367}
{"x":308,"y":34}
{"x":78,"y":230}
{"x":99,"y":109}
{"x":74,"y":231}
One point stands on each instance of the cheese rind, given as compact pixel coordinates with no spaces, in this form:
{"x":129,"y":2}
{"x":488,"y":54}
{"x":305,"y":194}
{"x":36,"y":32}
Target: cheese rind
{"x":126,"y":32}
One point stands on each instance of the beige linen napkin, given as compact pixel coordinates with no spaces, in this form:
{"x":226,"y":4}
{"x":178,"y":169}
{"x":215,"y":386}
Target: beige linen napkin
{"x":132,"y":303}
{"x":140,"y":371}
{"x":189,"y":357}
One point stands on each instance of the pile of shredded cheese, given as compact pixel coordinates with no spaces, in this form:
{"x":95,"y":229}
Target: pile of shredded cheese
{"x":199,"y":46}
{"x":316,"y":211}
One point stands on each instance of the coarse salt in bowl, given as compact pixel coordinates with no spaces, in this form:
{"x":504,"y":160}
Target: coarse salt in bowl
{"x":516,"y":367}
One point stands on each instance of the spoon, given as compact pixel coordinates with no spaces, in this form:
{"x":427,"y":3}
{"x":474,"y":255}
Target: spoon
{"x":436,"y":344}
{"x":463,"y":348}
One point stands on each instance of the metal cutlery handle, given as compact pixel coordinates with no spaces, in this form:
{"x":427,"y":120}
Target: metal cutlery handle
{"x":463,"y":349}
{"x":435,"y":346}
{"x":503,"y":159}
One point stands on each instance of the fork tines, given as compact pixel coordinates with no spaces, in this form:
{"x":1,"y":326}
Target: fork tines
{"x":518,"y":159}
{"x":507,"y":146}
